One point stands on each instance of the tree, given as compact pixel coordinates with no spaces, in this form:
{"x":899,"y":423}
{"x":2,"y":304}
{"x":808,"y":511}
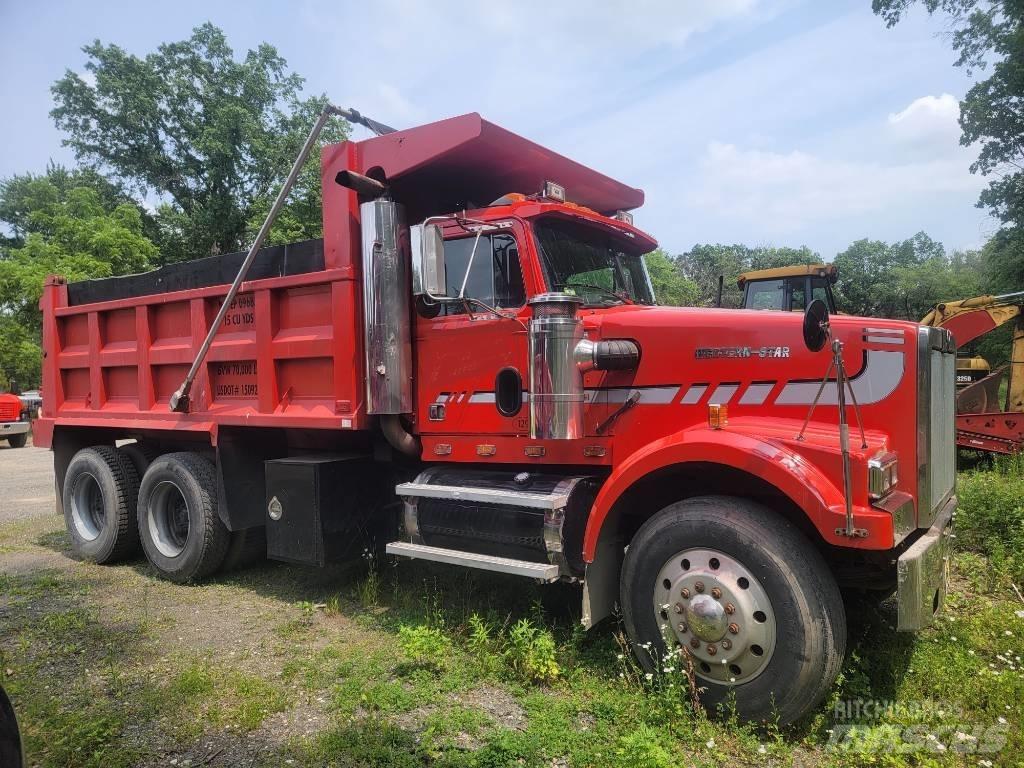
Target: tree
{"x":670,"y":286}
{"x":989,"y":35}
{"x":704,"y":264}
{"x":210,"y":137}
{"x":67,"y":223}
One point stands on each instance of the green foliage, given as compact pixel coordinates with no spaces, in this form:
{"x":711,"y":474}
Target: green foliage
{"x":990,"y":519}
{"x":531,"y":652}
{"x":69,"y":223}
{"x":425,"y":646}
{"x":211,"y":136}
{"x":903,"y":280}
{"x":671,"y":288}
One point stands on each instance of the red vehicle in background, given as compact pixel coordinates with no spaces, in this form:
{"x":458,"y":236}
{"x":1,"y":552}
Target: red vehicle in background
{"x":15,"y":425}
{"x":495,"y":387}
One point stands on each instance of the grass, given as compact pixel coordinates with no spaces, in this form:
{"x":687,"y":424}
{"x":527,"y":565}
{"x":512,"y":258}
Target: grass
{"x":418,"y":665}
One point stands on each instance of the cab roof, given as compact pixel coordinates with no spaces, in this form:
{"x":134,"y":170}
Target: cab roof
{"x":797,"y":270}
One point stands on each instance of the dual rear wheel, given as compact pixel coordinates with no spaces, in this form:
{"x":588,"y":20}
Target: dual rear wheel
{"x":118,"y":500}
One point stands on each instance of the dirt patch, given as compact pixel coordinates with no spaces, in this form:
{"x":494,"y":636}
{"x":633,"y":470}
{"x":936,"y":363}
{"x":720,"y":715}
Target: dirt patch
{"x":501,"y":706}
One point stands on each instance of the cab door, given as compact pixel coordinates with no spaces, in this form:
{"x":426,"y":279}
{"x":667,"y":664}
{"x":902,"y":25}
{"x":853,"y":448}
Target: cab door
{"x":471,"y":365}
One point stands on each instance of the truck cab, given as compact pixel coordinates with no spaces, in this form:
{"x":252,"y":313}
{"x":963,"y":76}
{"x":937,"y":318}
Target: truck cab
{"x":789,"y":289}
{"x":471,"y":368}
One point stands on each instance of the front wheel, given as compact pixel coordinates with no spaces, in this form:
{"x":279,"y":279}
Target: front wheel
{"x":18,"y":441}
{"x":749,"y":596}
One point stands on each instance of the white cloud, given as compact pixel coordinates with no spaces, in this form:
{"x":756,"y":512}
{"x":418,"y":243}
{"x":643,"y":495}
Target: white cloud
{"x":929,"y":119}
{"x":781,"y":193}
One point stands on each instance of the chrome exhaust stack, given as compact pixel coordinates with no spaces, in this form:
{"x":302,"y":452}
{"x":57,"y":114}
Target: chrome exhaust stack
{"x":387,"y":327}
{"x":556,"y":382}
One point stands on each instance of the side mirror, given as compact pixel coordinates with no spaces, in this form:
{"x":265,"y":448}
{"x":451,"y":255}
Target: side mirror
{"x":428,"y":273}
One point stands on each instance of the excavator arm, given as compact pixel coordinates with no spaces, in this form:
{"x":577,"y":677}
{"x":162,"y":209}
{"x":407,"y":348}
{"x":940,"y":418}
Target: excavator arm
{"x":968,"y":319}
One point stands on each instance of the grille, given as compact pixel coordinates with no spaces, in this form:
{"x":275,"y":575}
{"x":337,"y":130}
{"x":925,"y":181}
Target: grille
{"x":9,"y":410}
{"x":936,"y":441}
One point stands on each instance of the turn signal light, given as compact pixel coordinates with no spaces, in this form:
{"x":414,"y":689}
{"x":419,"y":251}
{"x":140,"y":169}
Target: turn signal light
{"x":718,"y":415}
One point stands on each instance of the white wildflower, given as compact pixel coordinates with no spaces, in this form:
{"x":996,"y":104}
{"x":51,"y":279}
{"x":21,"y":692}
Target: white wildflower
{"x":761,"y":749}
{"x":710,"y":744}
{"x":1002,"y":720}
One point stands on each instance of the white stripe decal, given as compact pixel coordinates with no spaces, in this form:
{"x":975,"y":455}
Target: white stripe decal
{"x":482,"y":397}
{"x":884,"y":339}
{"x":723,"y":393}
{"x":648,"y":395}
{"x":879,"y":378}
{"x":756,"y":394}
{"x":896,"y":331}
{"x":694,"y":394}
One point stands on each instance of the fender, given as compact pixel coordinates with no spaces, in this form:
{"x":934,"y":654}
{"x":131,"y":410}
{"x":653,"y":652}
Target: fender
{"x":788,"y":471}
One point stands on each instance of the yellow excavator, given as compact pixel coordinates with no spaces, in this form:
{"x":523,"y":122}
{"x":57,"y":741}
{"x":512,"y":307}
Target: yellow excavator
{"x":986,"y":421}
{"x":788,"y":288}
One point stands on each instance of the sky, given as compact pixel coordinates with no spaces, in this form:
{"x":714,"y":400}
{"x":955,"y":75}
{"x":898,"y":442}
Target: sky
{"x":764,"y":122}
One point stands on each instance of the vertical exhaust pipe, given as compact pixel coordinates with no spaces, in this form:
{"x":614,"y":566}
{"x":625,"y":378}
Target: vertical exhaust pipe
{"x":556,"y":382}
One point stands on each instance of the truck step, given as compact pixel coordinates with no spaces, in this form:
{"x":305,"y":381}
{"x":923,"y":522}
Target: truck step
{"x":539,"y":571}
{"x":484,"y":495}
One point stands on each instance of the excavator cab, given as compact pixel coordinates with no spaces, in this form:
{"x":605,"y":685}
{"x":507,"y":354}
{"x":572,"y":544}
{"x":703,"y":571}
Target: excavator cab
{"x":788,"y":289}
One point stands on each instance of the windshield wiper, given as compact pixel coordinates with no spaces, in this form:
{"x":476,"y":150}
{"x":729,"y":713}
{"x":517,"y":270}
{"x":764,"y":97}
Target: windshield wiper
{"x":622,"y":299}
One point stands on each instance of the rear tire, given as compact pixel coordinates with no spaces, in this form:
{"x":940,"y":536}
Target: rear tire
{"x":182,"y":534}
{"x":101,"y":489}
{"x":140,"y":455}
{"x":748,"y":594}
{"x":18,"y":441}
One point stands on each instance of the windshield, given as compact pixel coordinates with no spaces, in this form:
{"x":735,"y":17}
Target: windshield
{"x":591,"y":263}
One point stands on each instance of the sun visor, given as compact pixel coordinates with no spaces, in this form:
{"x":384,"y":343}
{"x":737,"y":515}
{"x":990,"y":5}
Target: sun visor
{"x":467,"y":162}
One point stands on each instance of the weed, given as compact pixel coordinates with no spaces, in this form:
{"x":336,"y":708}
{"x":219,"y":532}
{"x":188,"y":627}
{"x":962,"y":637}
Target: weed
{"x":531,"y":652}
{"x":425,"y":646}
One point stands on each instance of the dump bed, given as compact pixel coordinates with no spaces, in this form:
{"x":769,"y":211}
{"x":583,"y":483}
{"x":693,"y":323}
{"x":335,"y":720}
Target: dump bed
{"x":289,"y":353}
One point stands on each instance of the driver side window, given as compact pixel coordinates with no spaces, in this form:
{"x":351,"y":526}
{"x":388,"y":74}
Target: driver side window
{"x":496,"y":277}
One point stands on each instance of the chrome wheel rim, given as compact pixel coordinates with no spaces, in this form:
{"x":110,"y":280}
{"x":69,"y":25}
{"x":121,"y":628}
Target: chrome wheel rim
{"x":87,"y":513}
{"x":167,"y":519}
{"x":711,"y":603}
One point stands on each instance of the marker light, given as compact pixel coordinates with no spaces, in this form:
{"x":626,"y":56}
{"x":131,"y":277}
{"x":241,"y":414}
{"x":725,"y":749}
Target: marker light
{"x":882,"y":474}
{"x":718,"y":415}
{"x":554,"y":192}
{"x":624,"y":216}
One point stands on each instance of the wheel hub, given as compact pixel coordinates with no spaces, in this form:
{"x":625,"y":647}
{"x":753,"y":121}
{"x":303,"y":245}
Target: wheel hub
{"x":706,"y":617}
{"x":713,"y":605}
{"x":168,"y":520}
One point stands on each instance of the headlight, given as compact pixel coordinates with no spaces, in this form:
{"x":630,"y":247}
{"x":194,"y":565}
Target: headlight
{"x":882,"y":475}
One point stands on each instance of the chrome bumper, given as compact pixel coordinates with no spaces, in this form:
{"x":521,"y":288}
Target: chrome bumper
{"x":922,"y":571}
{"x":13,"y":428}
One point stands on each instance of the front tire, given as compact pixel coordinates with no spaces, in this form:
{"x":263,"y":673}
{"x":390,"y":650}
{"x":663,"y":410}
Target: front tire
{"x":101,"y":488}
{"x":750,"y":597}
{"x":18,"y":441}
{"x":182,"y":534}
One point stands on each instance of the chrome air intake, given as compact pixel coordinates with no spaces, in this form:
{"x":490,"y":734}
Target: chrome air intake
{"x":386,"y":311}
{"x":556,"y":384}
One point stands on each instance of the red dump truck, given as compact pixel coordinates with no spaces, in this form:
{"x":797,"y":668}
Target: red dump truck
{"x":471,"y":368}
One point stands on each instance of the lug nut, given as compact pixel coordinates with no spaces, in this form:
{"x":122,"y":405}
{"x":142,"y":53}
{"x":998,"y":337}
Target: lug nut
{"x":730,"y":608}
{"x":694,"y":642}
{"x":685,"y":593}
{"x":734,"y":628}
{"x":716,"y":593}
{"x":727,"y":644}
{"x":678,"y":608}
{"x":712,"y":650}
{"x":681,"y":627}
{"x":699,"y":586}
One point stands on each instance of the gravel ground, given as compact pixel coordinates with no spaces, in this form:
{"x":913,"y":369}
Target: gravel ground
{"x":26,"y":482}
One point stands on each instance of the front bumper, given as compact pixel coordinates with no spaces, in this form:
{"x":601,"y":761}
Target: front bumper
{"x":13,"y":428}
{"x":922,"y":572}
